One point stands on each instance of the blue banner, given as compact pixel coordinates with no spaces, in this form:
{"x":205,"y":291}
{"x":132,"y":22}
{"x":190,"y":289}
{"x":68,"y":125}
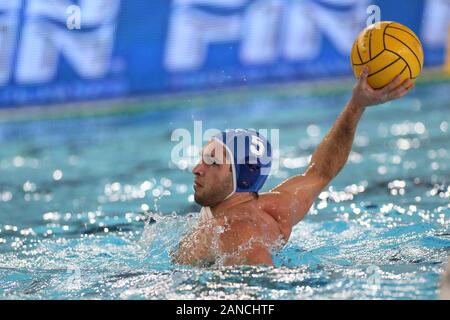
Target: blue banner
{"x":65,"y":51}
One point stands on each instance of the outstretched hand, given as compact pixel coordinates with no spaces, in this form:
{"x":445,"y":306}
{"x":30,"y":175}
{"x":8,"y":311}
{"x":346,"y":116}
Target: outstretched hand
{"x":365,"y":95}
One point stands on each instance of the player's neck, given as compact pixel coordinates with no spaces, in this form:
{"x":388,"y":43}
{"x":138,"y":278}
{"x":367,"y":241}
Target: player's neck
{"x":236,"y":199}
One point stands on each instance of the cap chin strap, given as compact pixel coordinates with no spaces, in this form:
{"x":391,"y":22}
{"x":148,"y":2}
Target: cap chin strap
{"x":229,"y":196}
{"x":230,"y":158}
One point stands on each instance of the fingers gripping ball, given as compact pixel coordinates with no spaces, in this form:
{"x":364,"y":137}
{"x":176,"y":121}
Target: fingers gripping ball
{"x":388,"y":49}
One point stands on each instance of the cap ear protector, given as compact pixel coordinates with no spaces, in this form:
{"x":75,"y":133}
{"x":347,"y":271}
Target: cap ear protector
{"x":251,"y":158}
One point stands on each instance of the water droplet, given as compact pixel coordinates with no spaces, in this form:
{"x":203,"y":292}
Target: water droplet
{"x":57,"y":175}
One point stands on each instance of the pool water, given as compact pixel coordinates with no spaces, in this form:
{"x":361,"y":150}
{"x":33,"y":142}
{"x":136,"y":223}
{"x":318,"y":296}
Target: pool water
{"x":90,"y":207}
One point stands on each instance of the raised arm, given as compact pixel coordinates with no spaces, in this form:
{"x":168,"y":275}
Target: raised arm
{"x":332,"y":153}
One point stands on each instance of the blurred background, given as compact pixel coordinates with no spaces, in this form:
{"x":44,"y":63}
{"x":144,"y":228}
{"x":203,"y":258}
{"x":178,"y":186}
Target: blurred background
{"x":91,"y":91}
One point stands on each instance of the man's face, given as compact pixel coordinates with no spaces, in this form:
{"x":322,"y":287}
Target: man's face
{"x":213,"y":176}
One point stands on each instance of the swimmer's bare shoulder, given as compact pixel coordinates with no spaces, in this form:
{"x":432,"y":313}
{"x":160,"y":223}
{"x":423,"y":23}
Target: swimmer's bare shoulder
{"x":249,"y":238}
{"x":289,"y":202}
{"x":195,"y":247}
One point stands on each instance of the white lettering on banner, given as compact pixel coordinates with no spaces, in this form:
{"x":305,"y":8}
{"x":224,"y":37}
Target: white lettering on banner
{"x":260,"y":39}
{"x":299,"y":27}
{"x":307,"y":20}
{"x":191,"y":31}
{"x":88,"y":53}
{"x":267,"y":30}
{"x":436,"y":22}
{"x":43,"y":41}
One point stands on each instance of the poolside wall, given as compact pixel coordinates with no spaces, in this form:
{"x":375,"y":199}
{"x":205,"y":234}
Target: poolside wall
{"x":51,"y":52}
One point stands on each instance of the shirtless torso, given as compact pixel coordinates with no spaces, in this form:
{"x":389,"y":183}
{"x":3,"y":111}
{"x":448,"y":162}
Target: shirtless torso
{"x":244,"y":228}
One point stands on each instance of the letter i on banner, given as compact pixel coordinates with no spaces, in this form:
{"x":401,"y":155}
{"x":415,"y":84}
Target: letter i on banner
{"x":447,"y":60}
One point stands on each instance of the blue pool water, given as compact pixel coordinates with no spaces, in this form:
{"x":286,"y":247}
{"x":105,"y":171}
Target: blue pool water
{"x":91,"y":207}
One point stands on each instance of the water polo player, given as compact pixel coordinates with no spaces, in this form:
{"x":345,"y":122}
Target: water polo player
{"x":238,"y":225}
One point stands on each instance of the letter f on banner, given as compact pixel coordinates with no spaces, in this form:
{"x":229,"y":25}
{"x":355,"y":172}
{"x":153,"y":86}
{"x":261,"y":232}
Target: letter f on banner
{"x":192,"y":30}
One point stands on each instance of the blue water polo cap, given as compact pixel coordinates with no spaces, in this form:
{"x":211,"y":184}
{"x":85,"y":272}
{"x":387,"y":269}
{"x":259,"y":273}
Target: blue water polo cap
{"x":250,"y":154}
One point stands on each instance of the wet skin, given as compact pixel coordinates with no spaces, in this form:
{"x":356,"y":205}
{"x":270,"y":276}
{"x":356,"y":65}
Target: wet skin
{"x":246,"y":227}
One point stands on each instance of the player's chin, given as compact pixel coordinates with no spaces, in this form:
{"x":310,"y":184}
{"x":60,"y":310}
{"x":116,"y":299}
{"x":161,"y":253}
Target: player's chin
{"x":198,"y":198}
